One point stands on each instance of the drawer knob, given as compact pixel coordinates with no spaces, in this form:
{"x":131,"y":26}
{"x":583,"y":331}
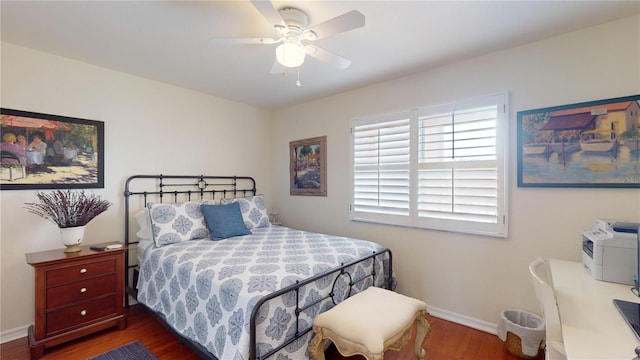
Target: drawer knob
{"x":83,"y":312}
{"x":83,"y":290}
{"x":83,"y":270}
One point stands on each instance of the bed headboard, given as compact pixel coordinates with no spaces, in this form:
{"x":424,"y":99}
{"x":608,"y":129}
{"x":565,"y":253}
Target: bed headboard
{"x":139,"y":190}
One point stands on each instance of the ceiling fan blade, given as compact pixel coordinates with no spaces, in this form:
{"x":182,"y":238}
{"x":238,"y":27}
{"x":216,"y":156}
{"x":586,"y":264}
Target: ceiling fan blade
{"x":323,"y":55}
{"x":245,"y":40}
{"x":269,"y":12}
{"x":345,"y":22}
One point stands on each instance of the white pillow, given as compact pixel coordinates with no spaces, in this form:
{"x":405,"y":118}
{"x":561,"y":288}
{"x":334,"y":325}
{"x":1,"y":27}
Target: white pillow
{"x":176,"y":222}
{"x":144,"y":225}
{"x":254,"y":212}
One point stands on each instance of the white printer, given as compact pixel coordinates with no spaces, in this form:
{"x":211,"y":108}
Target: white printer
{"x":609,"y":251}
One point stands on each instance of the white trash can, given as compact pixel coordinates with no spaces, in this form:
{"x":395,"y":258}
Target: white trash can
{"x":523,"y":333}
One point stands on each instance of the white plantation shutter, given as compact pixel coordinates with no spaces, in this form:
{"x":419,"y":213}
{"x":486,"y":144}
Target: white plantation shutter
{"x":458,"y":194}
{"x":381,"y":167}
{"x":457,"y":165}
{"x":455,"y":180}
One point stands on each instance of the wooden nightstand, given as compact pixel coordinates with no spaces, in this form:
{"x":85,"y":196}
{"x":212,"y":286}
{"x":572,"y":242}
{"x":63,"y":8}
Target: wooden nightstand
{"x":76,"y":294}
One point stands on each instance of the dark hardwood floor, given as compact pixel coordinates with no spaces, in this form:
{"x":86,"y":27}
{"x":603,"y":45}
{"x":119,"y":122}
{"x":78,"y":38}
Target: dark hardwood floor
{"x":446,"y":341}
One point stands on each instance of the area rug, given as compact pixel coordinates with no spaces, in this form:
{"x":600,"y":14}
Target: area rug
{"x":131,"y":351}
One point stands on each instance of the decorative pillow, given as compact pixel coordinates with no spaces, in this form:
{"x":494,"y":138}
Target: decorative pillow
{"x":253,"y":210}
{"x":176,"y":222}
{"x":224,"y":221}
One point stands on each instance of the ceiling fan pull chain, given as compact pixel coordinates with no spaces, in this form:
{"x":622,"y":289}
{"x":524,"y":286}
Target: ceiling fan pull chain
{"x":298,"y":83}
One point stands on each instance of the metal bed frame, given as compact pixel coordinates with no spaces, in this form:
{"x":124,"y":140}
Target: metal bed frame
{"x":178,"y":188}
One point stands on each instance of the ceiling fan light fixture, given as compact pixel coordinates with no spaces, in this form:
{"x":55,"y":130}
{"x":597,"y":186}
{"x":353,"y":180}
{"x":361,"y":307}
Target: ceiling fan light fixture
{"x":290,"y":54}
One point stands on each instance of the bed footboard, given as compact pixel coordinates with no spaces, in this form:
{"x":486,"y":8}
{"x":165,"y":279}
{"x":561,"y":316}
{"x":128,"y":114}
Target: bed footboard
{"x":348,"y":279}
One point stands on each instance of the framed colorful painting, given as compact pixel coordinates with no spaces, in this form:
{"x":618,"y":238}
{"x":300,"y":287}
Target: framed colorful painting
{"x":42,"y":151}
{"x":308,"y":167}
{"x":590,"y":144}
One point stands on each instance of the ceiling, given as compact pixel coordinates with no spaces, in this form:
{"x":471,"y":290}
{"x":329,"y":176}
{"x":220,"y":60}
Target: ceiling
{"x":174,"y":41}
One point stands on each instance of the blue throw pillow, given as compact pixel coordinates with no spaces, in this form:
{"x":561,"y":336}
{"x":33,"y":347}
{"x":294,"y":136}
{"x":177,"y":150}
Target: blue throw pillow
{"x":224,"y":221}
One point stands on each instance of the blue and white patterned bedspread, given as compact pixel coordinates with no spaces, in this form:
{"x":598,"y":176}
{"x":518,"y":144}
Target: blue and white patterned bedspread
{"x":207,"y":289}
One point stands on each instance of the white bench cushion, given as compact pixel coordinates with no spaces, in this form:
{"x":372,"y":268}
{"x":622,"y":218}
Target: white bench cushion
{"x":371,"y":317}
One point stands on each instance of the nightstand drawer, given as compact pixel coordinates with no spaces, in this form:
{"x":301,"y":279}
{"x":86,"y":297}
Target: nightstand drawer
{"x":78,"y":272}
{"x":80,"y":313}
{"x":80,"y":291}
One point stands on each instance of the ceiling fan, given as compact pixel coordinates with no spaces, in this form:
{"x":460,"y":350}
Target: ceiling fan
{"x":294,"y":37}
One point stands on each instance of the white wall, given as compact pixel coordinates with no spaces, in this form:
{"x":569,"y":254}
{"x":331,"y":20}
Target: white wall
{"x":474,"y":276}
{"x":150,"y":128}
{"x":471,"y":276}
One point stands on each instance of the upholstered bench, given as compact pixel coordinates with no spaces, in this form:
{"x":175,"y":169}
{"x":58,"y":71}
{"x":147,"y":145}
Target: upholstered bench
{"x":369,"y":323}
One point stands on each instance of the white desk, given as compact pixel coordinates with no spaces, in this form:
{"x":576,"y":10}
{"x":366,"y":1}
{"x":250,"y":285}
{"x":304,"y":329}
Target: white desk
{"x":592,"y":327}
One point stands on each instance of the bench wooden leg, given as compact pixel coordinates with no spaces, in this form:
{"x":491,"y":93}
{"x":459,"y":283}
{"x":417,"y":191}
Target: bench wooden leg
{"x":422,"y":329}
{"x":316,"y":347}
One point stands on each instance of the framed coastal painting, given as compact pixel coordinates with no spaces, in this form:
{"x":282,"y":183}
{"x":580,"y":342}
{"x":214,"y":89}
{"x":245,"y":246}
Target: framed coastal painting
{"x":308,"y":167}
{"x":590,"y":144}
{"x":43,"y":151}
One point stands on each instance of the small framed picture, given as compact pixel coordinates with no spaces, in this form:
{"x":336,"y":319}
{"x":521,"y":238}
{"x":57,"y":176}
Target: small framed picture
{"x":308,"y":167}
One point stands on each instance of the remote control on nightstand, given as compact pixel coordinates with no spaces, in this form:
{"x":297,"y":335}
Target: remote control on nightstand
{"x":105,"y":247}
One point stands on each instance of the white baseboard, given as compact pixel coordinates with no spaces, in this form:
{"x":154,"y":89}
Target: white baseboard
{"x":14,"y":334}
{"x":463,"y":320}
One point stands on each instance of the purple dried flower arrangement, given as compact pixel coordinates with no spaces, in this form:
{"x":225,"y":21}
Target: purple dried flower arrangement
{"x":68,"y":209}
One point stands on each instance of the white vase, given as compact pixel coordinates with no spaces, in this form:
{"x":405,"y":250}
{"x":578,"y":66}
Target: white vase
{"x":72,"y":238}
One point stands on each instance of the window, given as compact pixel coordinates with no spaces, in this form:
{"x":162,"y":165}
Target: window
{"x":440,"y":167}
